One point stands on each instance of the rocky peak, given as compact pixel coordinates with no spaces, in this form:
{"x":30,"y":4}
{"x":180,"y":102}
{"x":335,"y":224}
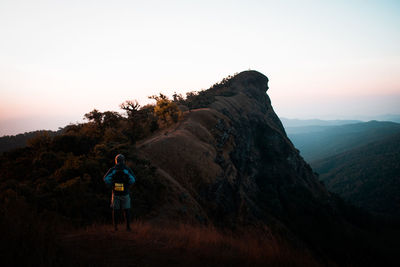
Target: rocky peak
{"x":250,"y":81}
{"x":232,"y":160}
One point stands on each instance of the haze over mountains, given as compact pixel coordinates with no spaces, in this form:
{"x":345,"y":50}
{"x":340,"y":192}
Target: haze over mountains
{"x":294,"y":123}
{"x":317,"y":142}
{"x":358,"y":161}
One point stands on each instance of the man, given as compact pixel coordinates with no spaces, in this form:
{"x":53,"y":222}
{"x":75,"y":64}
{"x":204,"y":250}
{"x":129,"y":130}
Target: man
{"x":120,"y":177}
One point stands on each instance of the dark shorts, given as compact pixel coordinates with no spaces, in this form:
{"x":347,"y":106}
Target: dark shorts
{"x":120,"y":202}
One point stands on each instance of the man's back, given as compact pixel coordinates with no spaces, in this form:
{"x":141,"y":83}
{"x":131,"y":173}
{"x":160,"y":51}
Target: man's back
{"x":120,"y":177}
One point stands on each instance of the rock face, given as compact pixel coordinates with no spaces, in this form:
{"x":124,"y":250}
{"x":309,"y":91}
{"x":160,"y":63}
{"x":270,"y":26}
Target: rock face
{"x":231,"y":163}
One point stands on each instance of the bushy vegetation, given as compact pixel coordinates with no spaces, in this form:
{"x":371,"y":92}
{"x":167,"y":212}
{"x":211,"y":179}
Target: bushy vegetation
{"x":167,"y":111}
{"x":63,"y":173}
{"x":203,"y":98}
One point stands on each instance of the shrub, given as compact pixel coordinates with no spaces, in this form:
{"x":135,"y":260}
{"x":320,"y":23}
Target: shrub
{"x":166,"y":110}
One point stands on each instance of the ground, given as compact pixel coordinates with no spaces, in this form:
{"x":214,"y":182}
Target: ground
{"x":183,"y":245}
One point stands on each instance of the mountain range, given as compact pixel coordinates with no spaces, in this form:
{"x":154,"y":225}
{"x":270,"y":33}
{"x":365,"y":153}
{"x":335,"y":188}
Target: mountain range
{"x":358,"y":161}
{"x":293,"y":123}
{"x":367,"y":176}
{"x":317,"y":142}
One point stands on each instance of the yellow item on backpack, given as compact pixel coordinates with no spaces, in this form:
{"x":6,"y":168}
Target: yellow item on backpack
{"x":119,"y":187}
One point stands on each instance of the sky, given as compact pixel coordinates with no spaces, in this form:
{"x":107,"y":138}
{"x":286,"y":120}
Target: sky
{"x":61,"y":59}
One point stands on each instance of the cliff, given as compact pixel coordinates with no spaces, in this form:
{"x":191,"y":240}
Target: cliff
{"x":231,"y":162}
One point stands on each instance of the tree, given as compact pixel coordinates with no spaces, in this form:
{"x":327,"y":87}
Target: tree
{"x":111,"y":119}
{"x":131,"y":107}
{"x":178,"y":98}
{"x":95,"y":116}
{"x":166,"y":110}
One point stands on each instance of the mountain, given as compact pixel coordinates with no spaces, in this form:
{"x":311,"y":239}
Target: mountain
{"x":330,"y":140}
{"x":231,"y":160}
{"x":225,"y":163}
{"x":305,"y":129}
{"x":230,"y":163}
{"x":368,"y":176}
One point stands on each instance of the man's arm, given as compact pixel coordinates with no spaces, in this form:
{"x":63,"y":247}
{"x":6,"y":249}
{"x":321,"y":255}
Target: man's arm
{"x":130,"y":174}
{"x":108,"y":177}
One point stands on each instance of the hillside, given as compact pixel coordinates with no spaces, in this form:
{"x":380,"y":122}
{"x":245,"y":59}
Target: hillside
{"x":368,"y":176}
{"x":224,"y":163}
{"x":231,"y":159}
{"x":319,"y":142}
{"x":10,"y":142}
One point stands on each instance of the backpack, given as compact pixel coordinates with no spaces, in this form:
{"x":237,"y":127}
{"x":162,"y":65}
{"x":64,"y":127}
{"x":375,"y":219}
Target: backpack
{"x":120,"y":182}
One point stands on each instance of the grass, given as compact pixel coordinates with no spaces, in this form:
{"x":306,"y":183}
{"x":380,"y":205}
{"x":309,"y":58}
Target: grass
{"x":181,"y":245}
{"x":32,"y":240}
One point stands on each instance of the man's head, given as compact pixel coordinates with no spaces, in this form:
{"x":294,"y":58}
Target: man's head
{"x":119,"y":159}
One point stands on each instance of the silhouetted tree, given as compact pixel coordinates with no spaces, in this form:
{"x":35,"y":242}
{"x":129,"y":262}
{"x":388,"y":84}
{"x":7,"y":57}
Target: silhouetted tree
{"x":131,"y":107}
{"x":95,"y":116}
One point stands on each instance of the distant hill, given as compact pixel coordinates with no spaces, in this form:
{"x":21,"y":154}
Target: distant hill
{"x":368,"y":176}
{"x":10,"y":142}
{"x":388,"y":117}
{"x":305,"y":129}
{"x":314,"y":122}
{"x":324,"y":141}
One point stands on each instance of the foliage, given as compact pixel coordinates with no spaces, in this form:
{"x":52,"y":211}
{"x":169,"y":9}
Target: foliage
{"x":63,"y":173}
{"x":166,"y":110}
{"x":204,"y":98}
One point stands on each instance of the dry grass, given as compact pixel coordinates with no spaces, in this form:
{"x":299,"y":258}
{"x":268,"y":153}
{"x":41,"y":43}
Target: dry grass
{"x":183,"y":245}
{"x":32,"y":241}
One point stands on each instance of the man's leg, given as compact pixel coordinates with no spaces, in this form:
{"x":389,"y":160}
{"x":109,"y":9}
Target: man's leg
{"x":114,"y":219}
{"x":128,"y":219}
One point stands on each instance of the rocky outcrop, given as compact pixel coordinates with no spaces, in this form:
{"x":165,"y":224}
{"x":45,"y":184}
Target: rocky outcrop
{"x":232,"y":163}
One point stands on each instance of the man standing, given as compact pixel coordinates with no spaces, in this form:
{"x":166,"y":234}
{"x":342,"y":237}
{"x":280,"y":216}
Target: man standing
{"x":120,"y":177}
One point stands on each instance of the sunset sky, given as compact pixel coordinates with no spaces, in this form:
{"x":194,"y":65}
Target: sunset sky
{"x":325,"y":59}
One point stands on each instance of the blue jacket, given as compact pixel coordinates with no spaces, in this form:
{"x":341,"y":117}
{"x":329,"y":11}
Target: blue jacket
{"x":109,"y":178}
